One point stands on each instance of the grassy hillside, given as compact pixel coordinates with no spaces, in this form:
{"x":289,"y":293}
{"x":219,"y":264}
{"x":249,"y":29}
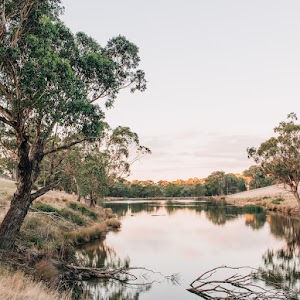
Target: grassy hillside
{"x":54,"y":226}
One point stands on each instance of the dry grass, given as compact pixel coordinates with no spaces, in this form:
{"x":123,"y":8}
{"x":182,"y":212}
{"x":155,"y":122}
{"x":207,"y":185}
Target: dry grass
{"x":113,"y":223}
{"x":46,"y":271}
{"x":88,"y":234}
{"x":19,"y":287}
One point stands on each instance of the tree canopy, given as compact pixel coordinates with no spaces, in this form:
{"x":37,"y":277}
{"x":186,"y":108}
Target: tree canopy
{"x":279,"y":156}
{"x":50,"y":82}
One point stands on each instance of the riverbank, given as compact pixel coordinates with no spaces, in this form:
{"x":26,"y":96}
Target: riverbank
{"x":159,"y":198}
{"x":273,"y":198}
{"x":55,"y":225}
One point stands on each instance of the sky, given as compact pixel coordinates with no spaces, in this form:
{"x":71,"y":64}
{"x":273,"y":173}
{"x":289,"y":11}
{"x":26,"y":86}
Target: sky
{"x":221,"y":75}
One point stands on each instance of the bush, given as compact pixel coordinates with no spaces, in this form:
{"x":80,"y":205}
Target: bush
{"x":113,"y":222}
{"x":46,"y":207}
{"x":68,"y":214}
{"x":83,"y":210}
{"x":86,"y":235}
{"x":277,"y":200}
{"x":36,"y":240}
{"x":46,"y":271}
{"x":65,"y":213}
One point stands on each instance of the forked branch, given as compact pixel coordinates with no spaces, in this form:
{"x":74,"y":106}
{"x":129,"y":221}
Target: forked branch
{"x":240,"y":283}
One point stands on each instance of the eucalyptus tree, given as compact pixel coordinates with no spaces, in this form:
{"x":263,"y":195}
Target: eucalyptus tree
{"x":93,"y":168}
{"x":50,"y":81}
{"x":258,"y":178}
{"x":279,"y":156}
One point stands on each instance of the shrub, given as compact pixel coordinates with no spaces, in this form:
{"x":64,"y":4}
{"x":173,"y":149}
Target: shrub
{"x":113,"y":222}
{"x":46,"y":271}
{"x":68,"y":214}
{"x":46,"y":207}
{"x":36,"y":240}
{"x":86,"y":235}
{"x":83,"y":210}
{"x":277,"y":200}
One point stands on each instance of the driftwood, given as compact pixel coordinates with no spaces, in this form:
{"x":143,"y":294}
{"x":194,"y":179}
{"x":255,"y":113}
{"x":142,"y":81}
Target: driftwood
{"x":71,"y":273}
{"x":248,"y":285}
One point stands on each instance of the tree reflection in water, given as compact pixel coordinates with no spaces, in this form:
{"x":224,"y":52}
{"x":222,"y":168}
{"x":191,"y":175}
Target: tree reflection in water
{"x":283,"y":266}
{"x":218,"y":212}
{"x":100,"y":255}
{"x":113,"y":290}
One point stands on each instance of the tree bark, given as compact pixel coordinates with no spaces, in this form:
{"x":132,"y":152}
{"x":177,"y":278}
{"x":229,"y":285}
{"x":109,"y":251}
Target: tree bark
{"x":77,"y":188}
{"x":28,"y":168}
{"x":10,"y":226}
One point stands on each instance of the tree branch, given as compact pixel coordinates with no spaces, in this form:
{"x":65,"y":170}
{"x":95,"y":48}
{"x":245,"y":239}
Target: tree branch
{"x":3,"y":19}
{"x":66,"y":146}
{"x":5,"y":92}
{"x":43,"y":190}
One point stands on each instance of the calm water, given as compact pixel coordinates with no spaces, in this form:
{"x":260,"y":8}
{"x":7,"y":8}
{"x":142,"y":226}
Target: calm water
{"x":189,"y":238}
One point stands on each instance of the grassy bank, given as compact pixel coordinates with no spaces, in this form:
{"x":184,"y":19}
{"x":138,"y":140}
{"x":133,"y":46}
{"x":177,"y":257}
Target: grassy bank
{"x":55,"y":225}
{"x":273,"y":198}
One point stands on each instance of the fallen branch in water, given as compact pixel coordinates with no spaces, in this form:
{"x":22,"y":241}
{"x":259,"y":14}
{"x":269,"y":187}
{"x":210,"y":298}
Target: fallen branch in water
{"x":72,"y":273}
{"x":237,"y":286}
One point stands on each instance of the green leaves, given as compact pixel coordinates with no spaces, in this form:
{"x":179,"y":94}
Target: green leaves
{"x":50,"y":78}
{"x":280,"y":156}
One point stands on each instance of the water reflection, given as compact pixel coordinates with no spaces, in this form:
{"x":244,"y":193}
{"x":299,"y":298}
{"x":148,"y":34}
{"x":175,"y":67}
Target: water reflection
{"x":190,"y":237}
{"x":283,"y":265}
{"x":218,"y":212}
{"x":99,"y":255}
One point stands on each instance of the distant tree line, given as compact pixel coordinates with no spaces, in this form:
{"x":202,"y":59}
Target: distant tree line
{"x":216,"y":184}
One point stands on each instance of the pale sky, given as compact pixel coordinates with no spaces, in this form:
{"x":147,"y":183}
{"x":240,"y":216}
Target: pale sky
{"x":221,"y":75}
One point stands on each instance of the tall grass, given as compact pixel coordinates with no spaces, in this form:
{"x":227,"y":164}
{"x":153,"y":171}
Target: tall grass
{"x":88,"y":234}
{"x":18,"y":287}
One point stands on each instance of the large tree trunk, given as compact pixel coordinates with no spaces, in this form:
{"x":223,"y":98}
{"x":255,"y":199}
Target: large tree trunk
{"x":27,"y":173}
{"x":10,"y":226}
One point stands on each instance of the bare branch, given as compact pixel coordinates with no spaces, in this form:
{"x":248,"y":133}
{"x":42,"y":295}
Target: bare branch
{"x":242,"y":286}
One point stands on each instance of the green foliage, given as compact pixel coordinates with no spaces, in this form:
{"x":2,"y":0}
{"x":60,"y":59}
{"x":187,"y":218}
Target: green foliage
{"x":279,"y":156}
{"x":83,"y":210}
{"x":92,"y":169}
{"x":252,"y":209}
{"x":75,"y":218}
{"x":277,"y":200}
{"x":219,"y":183}
{"x":65,"y":213}
{"x":119,"y":189}
{"x":258,"y":177}
{"x":36,"y":240}
{"x":50,"y":80}
{"x":200,"y":190}
{"x":46,"y":207}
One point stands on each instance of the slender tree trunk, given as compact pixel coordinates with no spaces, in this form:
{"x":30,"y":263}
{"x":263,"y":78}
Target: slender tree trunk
{"x":296,"y":194}
{"x":77,"y":188}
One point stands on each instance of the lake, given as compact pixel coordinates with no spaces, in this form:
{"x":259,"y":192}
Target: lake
{"x":187,"y":238}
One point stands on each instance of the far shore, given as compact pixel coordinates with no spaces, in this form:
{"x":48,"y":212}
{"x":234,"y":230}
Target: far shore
{"x":274,"y":198}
